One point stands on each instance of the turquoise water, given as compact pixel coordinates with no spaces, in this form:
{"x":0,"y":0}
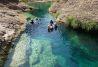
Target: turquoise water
{"x":37,"y":47}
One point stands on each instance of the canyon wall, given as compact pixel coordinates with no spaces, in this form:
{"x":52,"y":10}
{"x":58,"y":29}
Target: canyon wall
{"x":12,"y":23}
{"x":83,"y":10}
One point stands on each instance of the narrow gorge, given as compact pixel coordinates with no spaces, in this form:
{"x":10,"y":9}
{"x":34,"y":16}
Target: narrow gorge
{"x":73,"y":44}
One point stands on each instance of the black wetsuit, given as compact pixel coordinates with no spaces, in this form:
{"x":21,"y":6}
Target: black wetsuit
{"x":51,"y":22}
{"x":32,"y":22}
{"x":50,"y":28}
{"x":55,"y":27}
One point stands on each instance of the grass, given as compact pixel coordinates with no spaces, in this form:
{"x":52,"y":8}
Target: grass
{"x":73,"y":22}
{"x":87,"y":25}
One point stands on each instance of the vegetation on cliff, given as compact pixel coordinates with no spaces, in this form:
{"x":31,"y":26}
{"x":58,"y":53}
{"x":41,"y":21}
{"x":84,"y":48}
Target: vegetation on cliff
{"x":85,"y":24}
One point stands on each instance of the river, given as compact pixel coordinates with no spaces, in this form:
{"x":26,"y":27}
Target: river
{"x":36,"y":47}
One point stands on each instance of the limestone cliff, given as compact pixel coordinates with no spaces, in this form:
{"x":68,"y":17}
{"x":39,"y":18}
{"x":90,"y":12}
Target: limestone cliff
{"x":11,"y":25}
{"x":83,"y":10}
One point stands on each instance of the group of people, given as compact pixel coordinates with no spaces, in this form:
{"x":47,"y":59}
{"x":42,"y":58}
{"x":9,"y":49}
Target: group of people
{"x":33,"y":21}
{"x":52,"y":26}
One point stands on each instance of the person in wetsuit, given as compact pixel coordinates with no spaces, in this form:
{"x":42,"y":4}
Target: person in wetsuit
{"x":32,"y":22}
{"x":51,"y":22}
{"x":50,"y":27}
{"x":55,"y":26}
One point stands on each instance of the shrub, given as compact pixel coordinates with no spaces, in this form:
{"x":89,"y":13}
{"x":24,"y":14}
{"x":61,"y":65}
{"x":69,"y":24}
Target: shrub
{"x":87,"y":25}
{"x":73,"y":22}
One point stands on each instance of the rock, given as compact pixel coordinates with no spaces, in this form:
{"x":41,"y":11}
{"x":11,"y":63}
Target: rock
{"x":11,"y":24}
{"x":57,"y":5}
{"x":84,"y":13}
{"x":20,"y":6}
{"x":82,"y":9}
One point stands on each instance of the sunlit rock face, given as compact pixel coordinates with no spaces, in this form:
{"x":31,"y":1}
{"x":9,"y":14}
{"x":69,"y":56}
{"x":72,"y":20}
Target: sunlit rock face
{"x":57,"y":5}
{"x":11,"y":24}
{"x":82,"y":9}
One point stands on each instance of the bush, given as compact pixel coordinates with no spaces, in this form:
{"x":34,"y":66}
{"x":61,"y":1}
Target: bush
{"x":73,"y":22}
{"x":87,"y":25}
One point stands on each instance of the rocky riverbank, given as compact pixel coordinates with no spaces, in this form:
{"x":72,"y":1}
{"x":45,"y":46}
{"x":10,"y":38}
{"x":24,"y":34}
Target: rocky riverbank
{"x":77,"y":13}
{"x":12,"y":23}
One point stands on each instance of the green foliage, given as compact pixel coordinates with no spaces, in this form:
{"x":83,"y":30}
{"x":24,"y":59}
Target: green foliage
{"x":73,"y":22}
{"x":87,"y":25}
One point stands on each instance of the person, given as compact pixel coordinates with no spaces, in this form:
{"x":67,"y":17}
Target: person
{"x":55,"y":26}
{"x":51,"y":22}
{"x":50,"y":27}
{"x":37,"y":20}
{"x":32,"y":22}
